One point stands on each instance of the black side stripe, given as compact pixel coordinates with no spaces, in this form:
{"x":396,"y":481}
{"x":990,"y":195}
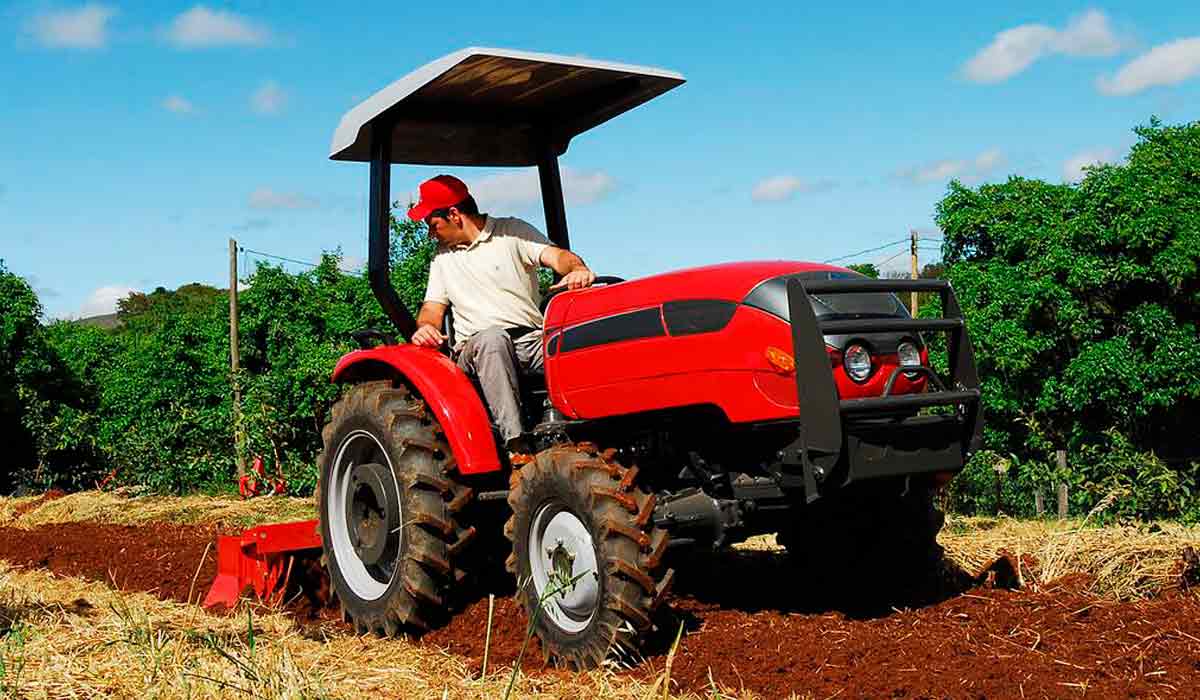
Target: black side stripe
{"x":698,"y":315}
{"x":646,"y":323}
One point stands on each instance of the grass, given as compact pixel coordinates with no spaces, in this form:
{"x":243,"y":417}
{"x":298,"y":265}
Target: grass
{"x":84,"y":639}
{"x":62,"y":637}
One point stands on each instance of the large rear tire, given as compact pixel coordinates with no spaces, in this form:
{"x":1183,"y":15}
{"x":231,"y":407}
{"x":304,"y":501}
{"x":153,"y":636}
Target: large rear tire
{"x":871,"y":535}
{"x":586,"y":553}
{"x":388,"y":504}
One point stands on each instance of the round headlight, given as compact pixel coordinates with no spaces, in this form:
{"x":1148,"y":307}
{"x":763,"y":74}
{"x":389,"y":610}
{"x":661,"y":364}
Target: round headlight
{"x":908,"y":354}
{"x":857,"y":362}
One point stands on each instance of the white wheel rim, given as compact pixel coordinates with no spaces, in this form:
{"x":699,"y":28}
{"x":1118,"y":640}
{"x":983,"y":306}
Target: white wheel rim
{"x":554,"y":532}
{"x":366,"y":583}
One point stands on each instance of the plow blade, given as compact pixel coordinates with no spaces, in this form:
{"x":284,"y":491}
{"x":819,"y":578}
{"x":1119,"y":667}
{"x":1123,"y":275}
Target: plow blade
{"x":260,"y":558}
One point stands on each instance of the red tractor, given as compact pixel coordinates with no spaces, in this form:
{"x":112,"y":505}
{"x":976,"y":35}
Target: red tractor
{"x":689,"y":409}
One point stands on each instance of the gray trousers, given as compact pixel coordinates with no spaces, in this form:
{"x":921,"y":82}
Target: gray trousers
{"x":494,"y":360}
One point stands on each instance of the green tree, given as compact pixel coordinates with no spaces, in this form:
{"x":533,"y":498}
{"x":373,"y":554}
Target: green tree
{"x":867,"y":269}
{"x":20,"y":311}
{"x":1082,"y":302}
{"x":411,"y":251}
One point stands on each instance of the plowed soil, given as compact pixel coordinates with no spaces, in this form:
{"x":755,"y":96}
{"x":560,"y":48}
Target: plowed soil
{"x":750,"y":623}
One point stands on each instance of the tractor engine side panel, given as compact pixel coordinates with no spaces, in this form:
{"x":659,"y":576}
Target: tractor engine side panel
{"x":629,"y":363}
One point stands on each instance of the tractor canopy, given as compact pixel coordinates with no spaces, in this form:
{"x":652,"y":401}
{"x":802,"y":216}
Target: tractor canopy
{"x":484,"y":107}
{"x":495,"y":107}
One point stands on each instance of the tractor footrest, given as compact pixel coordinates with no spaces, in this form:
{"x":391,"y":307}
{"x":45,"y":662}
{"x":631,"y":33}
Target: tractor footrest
{"x":260,"y":558}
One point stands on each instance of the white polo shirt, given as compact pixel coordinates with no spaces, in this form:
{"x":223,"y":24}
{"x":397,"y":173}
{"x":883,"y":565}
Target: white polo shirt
{"x":493,"y":281}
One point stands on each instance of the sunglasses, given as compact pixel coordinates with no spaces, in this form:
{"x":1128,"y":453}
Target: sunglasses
{"x":439,"y":213}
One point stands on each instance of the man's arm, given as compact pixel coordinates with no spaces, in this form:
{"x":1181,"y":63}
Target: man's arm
{"x":429,"y":325}
{"x":575,"y":273}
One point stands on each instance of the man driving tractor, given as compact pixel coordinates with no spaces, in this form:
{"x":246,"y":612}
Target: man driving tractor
{"x":486,"y":269}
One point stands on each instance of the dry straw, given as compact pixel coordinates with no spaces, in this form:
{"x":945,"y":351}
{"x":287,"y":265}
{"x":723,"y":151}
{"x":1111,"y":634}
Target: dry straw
{"x":84,"y":640}
{"x":1122,"y":561}
{"x":116,"y":509}
{"x":67,"y":638}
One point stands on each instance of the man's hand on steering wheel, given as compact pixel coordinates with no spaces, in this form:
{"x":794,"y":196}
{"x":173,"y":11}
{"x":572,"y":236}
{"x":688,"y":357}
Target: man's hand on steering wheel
{"x":578,"y":278}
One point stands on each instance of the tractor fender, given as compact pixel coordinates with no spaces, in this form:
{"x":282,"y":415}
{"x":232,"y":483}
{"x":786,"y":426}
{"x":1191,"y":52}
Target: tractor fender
{"x":447,"y":390}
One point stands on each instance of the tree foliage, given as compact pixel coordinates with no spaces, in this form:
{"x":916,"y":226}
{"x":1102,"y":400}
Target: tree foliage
{"x":151,"y":402}
{"x":865,"y":269}
{"x":1082,"y":302}
{"x":20,"y":311}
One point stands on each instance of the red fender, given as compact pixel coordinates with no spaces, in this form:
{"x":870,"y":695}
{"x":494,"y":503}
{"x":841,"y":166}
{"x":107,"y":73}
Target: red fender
{"x":447,"y":390}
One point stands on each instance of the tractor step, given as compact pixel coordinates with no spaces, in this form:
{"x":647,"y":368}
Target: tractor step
{"x":260,"y":558}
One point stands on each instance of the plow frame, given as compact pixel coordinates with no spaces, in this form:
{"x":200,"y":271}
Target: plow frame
{"x":260,"y":558}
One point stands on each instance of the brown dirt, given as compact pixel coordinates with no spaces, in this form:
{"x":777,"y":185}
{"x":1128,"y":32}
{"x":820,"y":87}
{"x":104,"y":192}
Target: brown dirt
{"x":161,"y":560}
{"x":752,"y":621}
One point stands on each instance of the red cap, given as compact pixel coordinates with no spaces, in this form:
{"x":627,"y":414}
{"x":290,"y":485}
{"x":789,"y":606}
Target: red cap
{"x":438,"y":193}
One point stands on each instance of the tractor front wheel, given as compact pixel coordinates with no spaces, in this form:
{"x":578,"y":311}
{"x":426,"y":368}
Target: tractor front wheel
{"x":388,"y":506}
{"x":587,"y":558}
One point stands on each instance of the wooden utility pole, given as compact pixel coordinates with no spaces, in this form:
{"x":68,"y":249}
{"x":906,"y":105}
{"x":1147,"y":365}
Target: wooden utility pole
{"x":233,"y":358}
{"x":913,"y":232}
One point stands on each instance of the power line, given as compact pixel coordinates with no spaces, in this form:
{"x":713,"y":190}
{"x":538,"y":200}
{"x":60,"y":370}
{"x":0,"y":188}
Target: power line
{"x":278,"y":257}
{"x":869,"y":250}
{"x":885,"y":262}
{"x":345,"y":273}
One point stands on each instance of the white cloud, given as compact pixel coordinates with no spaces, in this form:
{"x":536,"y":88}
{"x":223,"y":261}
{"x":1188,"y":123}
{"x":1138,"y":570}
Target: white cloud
{"x":201,"y":27}
{"x":969,"y":170}
{"x":1165,"y":64}
{"x":1073,"y":167}
{"x":1014,"y":50}
{"x":519,"y":187}
{"x":988,"y":161}
{"x":267,"y":198}
{"x":177,"y":104}
{"x":1089,"y":34}
{"x":268,"y":99}
{"x":85,"y":27}
{"x":104,"y":300}
{"x":781,"y":187}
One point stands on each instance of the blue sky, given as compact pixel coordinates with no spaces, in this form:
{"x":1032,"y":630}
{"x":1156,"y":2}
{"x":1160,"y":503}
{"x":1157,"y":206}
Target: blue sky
{"x":135,"y":139}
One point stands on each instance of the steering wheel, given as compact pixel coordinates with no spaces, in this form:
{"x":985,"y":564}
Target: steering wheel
{"x":605,"y":279}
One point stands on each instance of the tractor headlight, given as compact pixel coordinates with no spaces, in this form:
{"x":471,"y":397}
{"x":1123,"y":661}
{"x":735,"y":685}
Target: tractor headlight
{"x":909,"y":357}
{"x":857,"y":362}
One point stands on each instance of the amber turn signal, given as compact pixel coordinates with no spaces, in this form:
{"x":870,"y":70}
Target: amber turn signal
{"x":780,"y":360}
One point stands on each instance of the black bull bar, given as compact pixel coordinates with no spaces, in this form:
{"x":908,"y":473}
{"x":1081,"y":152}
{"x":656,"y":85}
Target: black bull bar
{"x":847,"y":440}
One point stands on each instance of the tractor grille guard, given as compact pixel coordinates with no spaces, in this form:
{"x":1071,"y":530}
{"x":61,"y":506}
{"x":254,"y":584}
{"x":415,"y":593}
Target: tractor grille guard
{"x":863,"y":438}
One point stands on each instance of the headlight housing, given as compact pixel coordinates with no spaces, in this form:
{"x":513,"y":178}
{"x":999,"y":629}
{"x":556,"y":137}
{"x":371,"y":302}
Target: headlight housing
{"x":909,"y":356}
{"x":857,"y":362}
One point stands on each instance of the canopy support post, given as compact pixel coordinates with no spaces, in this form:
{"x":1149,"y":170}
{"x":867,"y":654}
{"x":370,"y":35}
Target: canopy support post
{"x":379,"y":230}
{"x":552,"y":195}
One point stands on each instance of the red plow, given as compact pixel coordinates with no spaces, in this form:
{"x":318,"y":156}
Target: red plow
{"x":260,"y":558}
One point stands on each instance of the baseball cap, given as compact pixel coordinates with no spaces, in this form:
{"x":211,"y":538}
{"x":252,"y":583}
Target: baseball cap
{"x":438,"y":193}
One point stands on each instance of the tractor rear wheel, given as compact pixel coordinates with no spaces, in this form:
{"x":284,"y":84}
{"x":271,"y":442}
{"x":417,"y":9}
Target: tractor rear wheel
{"x":389,"y":506}
{"x":871,"y":534}
{"x":586,"y":555}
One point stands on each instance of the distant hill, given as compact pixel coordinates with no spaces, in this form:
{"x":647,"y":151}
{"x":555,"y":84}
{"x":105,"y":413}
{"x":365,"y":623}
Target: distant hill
{"x":105,"y":321}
